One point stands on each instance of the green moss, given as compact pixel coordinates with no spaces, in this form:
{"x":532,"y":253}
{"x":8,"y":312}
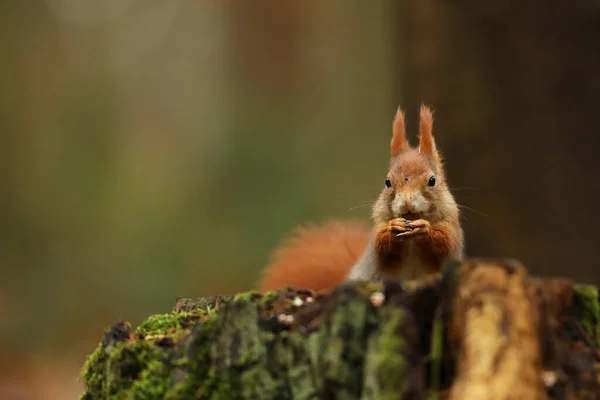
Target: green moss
{"x":123,"y":367}
{"x":239,"y":367}
{"x":92,"y":372}
{"x":342,"y":344}
{"x":384,"y":363}
{"x":154,"y":381}
{"x":251,"y":295}
{"x":203,"y":306}
{"x":180,"y":391}
{"x":229,"y":354}
{"x":197,"y":350}
{"x":126,"y":361}
{"x":586,"y":299}
{"x":292,"y":351}
{"x":124,"y":370}
{"x":160,"y":323}
{"x":269,"y":297}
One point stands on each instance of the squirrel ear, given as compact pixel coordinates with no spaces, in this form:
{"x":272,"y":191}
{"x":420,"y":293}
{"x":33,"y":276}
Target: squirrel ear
{"x":426,"y":141}
{"x":399,"y":142}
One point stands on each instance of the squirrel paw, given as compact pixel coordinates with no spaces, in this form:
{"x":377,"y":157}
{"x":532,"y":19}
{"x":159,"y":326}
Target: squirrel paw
{"x":399,"y":226}
{"x":415,"y":228}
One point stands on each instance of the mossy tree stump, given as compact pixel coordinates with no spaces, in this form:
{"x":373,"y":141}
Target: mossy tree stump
{"x":481,"y":330}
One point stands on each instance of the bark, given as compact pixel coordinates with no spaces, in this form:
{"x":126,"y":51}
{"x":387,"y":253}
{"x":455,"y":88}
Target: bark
{"x":483,"y":329}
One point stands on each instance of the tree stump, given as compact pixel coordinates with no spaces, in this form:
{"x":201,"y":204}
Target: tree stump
{"x":483,"y":329}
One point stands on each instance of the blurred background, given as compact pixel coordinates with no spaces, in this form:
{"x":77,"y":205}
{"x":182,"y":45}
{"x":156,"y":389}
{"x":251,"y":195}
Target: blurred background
{"x":159,"y":149}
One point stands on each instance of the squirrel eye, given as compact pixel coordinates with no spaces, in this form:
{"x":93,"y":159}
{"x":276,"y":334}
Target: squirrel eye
{"x":388,"y":183}
{"x":431,"y":181}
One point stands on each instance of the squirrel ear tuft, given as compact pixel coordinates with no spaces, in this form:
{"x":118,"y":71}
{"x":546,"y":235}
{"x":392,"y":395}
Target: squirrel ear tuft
{"x":399,"y":142}
{"x":426,"y":141}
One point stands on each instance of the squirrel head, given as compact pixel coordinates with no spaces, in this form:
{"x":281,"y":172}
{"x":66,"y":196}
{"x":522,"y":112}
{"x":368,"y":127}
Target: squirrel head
{"x":415,"y":186}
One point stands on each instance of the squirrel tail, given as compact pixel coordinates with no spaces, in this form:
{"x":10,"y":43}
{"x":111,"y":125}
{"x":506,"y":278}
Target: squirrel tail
{"x":316,"y":257}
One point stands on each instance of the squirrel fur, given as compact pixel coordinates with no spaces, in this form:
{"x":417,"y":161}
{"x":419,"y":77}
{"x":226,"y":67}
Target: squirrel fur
{"x":416,"y":226}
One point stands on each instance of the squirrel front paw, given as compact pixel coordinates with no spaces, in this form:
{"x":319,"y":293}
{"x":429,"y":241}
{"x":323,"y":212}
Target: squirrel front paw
{"x":414,"y":228}
{"x":399,"y":226}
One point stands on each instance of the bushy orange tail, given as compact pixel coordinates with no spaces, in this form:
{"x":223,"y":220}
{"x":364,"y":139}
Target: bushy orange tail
{"x":316,"y":257}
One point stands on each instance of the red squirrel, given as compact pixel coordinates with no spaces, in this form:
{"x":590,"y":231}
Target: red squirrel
{"x":416,"y":226}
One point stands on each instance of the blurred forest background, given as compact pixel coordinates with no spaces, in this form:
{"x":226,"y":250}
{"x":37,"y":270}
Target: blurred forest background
{"x":157,"y":149}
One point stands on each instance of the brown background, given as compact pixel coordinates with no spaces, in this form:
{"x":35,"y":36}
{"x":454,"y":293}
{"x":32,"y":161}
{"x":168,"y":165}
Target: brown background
{"x":150,"y":150}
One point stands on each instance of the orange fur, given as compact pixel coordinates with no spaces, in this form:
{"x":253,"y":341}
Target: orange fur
{"x":409,"y":174}
{"x":412,"y":165}
{"x":426,"y":143}
{"x":439,"y":244}
{"x":317,"y":257}
{"x":388,"y":250}
{"x":399,"y":142}
{"x":407,"y":235}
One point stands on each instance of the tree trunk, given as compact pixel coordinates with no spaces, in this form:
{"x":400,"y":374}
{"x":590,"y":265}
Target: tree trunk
{"x":481,"y":330}
{"x":515,"y":93}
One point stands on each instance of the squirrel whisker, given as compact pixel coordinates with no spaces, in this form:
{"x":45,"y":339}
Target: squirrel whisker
{"x":360,"y":206}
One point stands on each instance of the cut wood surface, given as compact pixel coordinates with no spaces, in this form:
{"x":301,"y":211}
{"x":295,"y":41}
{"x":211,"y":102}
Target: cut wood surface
{"x":483,"y":329}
